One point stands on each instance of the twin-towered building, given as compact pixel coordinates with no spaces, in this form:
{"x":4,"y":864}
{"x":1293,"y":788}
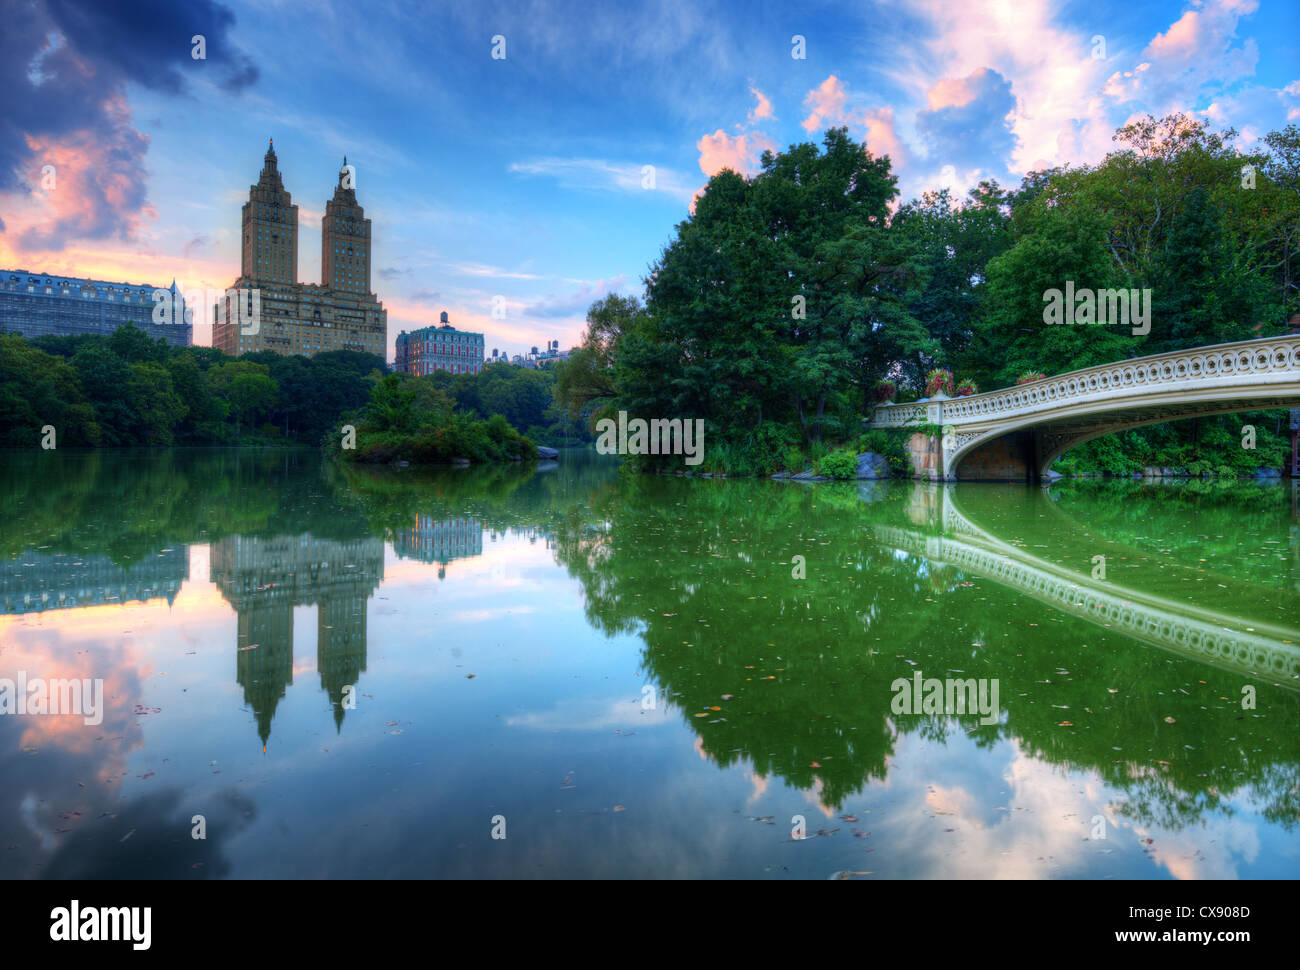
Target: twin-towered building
{"x":339,"y":313}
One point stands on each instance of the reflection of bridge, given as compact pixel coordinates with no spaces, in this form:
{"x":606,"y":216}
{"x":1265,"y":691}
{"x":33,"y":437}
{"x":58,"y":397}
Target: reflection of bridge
{"x":1016,"y":433}
{"x":264,"y":579}
{"x":1228,"y":642}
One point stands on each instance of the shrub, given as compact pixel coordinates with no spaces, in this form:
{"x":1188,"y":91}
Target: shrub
{"x":1029,"y":377}
{"x":966,"y":388}
{"x":889,"y":444}
{"x":884,"y":392}
{"x":939,"y":379}
{"x":794,"y":460}
{"x":841,"y":465}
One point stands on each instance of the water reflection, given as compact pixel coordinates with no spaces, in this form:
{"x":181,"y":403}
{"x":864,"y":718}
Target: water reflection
{"x":264,"y":579}
{"x":1242,"y":642}
{"x":574,"y":591}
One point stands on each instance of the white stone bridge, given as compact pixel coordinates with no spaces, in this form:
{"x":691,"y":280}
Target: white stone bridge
{"x":1017,"y":433}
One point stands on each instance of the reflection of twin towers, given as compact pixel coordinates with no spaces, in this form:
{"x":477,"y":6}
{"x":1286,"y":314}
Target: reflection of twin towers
{"x":264,"y":579}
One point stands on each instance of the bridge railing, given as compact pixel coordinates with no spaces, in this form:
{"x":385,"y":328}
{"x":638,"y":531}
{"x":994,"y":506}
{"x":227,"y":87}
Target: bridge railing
{"x":1219,"y":363}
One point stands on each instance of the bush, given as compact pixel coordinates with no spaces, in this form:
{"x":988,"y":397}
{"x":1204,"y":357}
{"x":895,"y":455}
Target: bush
{"x":966,"y":388}
{"x":794,"y":460}
{"x":889,"y":444}
{"x":1029,"y":377}
{"x":841,"y":465}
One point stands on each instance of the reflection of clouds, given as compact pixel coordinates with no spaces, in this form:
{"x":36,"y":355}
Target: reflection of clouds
{"x":592,"y":714}
{"x":486,"y":616}
{"x":52,"y":654}
{"x":160,"y":843}
{"x":1016,"y":817}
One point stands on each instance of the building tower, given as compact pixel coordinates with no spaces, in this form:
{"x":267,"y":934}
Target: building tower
{"x":270,"y":245}
{"x":345,"y":239}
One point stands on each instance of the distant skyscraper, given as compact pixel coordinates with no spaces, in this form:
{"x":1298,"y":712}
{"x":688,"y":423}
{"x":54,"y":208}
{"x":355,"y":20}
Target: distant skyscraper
{"x":44,"y":304}
{"x":340,"y":312}
{"x":442,"y":347}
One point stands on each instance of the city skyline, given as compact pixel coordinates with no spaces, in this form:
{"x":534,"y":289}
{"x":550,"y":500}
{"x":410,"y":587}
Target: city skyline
{"x":521,"y":176}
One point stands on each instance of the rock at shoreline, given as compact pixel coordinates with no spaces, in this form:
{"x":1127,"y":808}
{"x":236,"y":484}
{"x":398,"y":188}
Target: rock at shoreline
{"x":544,"y":452}
{"x":872,"y":466}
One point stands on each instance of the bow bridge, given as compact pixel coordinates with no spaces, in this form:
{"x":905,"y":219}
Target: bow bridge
{"x":1015,"y":434}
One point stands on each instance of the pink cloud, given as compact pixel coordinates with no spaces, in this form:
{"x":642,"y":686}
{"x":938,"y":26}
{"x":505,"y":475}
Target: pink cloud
{"x":739,"y":153}
{"x":763,"y":110}
{"x":1180,"y":39}
{"x":954,"y":92}
{"x":826,"y":103}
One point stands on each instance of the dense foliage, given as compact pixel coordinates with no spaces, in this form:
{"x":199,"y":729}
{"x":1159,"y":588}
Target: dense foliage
{"x":127,"y":389}
{"x":776,"y":309}
{"x":411,"y":419}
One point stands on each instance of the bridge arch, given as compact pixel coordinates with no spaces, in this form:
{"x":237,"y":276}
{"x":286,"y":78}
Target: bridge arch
{"x":1033,"y":425}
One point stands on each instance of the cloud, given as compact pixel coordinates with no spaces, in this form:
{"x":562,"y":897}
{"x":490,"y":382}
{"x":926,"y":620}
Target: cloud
{"x":740,"y":153}
{"x":64,"y":68}
{"x":1197,"y":50}
{"x":576,"y":302}
{"x":604,"y":175}
{"x":425,"y":296}
{"x":968,"y":121}
{"x":827,"y":103}
{"x":390,"y":273}
{"x":831,"y":106}
{"x":495,"y":272}
{"x":763,"y":110}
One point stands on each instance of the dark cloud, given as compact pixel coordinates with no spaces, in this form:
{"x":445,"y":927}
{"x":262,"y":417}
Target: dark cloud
{"x":970,"y":129}
{"x":425,"y":296}
{"x":390,"y":273}
{"x":64,"y":67}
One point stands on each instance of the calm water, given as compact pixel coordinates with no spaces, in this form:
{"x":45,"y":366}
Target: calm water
{"x":351,"y":673}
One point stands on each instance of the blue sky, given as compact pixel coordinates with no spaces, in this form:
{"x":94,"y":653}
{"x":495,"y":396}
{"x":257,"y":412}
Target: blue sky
{"x":523,"y":177}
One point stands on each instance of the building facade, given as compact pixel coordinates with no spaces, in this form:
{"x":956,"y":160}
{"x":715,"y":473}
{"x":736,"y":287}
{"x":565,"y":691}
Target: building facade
{"x":443,"y":348}
{"x":42,"y":304}
{"x":339,"y":313}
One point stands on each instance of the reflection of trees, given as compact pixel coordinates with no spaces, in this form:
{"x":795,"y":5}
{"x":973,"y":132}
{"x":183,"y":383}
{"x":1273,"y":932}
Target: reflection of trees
{"x":702,"y":572}
{"x":129,"y":505}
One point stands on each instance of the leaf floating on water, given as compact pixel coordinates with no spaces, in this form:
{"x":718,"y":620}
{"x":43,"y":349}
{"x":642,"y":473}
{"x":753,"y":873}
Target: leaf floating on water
{"x":1169,"y":720}
{"x":727,"y":697}
{"x":1065,"y":724}
{"x":715,"y":708}
{"x":705,"y":714}
{"x":620,"y":808}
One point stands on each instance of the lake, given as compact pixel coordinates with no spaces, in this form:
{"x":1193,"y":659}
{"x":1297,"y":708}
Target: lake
{"x":564,"y":671}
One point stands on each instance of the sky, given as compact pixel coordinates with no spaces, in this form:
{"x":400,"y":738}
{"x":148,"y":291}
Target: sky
{"x":554,"y":173}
